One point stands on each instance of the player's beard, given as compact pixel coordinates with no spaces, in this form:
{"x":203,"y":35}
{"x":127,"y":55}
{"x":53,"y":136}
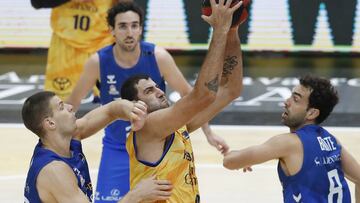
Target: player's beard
{"x":154,"y":107}
{"x":129,"y":47}
{"x":293,"y":121}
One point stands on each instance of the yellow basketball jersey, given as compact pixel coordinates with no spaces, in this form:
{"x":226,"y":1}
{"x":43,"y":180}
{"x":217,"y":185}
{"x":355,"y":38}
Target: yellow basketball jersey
{"x":83,"y":25}
{"x":176,"y":165}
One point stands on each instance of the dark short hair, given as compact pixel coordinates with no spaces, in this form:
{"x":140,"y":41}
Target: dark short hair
{"x":323,"y":95}
{"x":123,"y":7}
{"x":128,"y":89}
{"x":35,"y":109}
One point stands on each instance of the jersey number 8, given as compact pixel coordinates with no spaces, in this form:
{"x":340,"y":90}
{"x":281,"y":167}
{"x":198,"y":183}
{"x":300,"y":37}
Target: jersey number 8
{"x":334,"y":188}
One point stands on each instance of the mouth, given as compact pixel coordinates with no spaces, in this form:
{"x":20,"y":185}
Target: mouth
{"x":164,"y":100}
{"x":129,"y":41}
{"x":284,"y":114}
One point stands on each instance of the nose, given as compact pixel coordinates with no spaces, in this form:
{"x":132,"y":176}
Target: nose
{"x":130,"y":31}
{"x":159,"y":92}
{"x":287,"y":102}
{"x":69,"y":107}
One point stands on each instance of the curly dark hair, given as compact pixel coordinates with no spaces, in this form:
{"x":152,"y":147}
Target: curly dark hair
{"x":123,"y":7}
{"x":323,"y":95}
{"x":128,"y":89}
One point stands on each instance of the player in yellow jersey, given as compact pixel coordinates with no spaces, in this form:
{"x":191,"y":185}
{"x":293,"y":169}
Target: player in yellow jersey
{"x":79,"y":29}
{"x":163,"y":147}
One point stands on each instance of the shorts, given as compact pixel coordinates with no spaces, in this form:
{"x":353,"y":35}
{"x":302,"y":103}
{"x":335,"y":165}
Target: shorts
{"x":114,"y":177}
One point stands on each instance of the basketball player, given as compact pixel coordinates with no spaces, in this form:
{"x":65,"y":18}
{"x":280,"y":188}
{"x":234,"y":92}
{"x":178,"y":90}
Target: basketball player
{"x":79,"y":29}
{"x":58,"y":170}
{"x":112,"y":65}
{"x":312,"y":162}
{"x":163,"y":146}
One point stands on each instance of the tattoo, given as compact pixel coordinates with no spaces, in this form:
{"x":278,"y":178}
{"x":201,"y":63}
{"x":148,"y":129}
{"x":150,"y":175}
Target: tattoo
{"x":213,"y":84}
{"x":229,"y":64}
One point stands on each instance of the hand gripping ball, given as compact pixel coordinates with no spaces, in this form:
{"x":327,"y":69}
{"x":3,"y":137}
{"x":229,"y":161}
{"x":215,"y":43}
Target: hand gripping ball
{"x":239,"y":16}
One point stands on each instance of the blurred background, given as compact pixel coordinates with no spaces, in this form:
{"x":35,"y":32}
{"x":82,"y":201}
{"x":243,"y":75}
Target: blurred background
{"x":281,"y":40}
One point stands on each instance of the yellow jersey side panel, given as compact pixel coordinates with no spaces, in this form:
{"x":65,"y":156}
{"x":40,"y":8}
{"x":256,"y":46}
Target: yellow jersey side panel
{"x":64,"y":67}
{"x":176,"y":165}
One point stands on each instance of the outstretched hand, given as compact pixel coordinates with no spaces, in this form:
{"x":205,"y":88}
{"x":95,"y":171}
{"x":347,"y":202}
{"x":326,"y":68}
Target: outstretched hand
{"x":218,"y":142}
{"x":138,"y":115}
{"x":151,"y":189}
{"x":221,"y":14}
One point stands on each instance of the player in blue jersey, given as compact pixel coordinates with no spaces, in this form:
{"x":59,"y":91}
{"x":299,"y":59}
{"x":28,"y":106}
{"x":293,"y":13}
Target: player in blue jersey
{"x":312,"y":162}
{"x":58,"y":170}
{"x":112,"y":65}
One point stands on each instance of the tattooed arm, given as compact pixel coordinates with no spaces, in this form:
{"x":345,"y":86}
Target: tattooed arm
{"x":163,"y":122}
{"x":230,"y":84}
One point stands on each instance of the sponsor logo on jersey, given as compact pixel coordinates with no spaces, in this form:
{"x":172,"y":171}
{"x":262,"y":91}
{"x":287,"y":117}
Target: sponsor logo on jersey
{"x":326,"y":160}
{"x":110,"y":79}
{"x":115,"y":195}
{"x":61,"y":83}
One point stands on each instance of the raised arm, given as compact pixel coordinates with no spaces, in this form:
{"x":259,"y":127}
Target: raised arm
{"x":231,"y":81}
{"x":177,"y":82}
{"x":206,"y":86}
{"x":86,"y":82}
{"x":98,"y":118}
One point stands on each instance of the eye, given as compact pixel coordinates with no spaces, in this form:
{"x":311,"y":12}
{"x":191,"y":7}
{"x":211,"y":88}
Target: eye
{"x":135,"y":26}
{"x":296,"y":98}
{"x":122,"y":27}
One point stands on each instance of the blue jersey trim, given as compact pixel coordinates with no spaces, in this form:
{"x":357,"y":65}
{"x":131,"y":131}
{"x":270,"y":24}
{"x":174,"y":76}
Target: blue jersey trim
{"x":151,"y":164}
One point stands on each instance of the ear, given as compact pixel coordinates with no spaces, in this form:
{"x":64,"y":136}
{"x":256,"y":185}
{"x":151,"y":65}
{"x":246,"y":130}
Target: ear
{"x":312,"y":113}
{"x":141,"y":29}
{"x":49,"y":124}
{"x":111,"y":28}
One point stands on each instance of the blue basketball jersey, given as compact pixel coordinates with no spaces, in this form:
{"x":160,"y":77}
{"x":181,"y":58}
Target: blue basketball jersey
{"x":112,"y":76}
{"x":320,"y":179}
{"x":42,"y":157}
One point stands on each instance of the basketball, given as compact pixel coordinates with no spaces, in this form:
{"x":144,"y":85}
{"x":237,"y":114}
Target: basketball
{"x":239,"y":15}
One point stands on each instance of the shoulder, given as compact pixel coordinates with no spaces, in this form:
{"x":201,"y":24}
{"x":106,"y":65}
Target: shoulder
{"x":54,"y":173}
{"x":286,"y":140}
{"x":57,"y":181}
{"x":94,"y":58}
{"x":160,"y":51}
{"x":163,"y":57}
{"x":93,"y":62}
{"x":55,"y":167}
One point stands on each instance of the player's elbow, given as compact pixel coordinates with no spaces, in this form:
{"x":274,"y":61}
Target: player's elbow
{"x":229,"y":163}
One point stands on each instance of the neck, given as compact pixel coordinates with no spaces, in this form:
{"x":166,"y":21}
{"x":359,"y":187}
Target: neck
{"x":124,"y":58}
{"x":58,"y":144}
{"x":293,"y":129}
